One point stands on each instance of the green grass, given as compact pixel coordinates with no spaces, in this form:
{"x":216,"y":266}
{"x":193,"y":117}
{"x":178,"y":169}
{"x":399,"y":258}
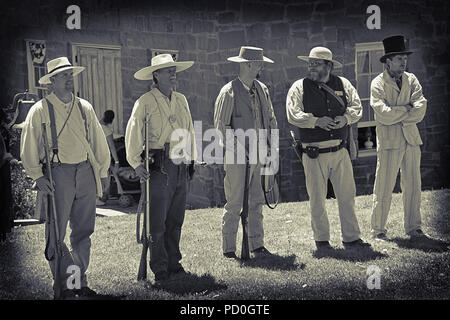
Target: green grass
{"x":297,"y":271}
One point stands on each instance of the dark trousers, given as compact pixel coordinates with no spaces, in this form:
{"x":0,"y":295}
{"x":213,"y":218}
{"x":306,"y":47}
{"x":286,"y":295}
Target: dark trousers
{"x":167,"y":208}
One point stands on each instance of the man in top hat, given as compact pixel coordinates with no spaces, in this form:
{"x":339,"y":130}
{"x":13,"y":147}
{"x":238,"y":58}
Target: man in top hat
{"x":323,"y":106}
{"x":244,"y":103}
{"x":398,"y":102}
{"x":77,"y":140}
{"x":168,"y":113}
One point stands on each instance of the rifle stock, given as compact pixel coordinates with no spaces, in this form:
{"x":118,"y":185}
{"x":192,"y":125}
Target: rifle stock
{"x":142,"y":272}
{"x":54,"y":218}
{"x":245,"y":252}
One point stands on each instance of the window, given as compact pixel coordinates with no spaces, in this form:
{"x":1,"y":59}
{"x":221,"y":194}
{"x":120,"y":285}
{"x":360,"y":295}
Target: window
{"x":367,"y":67}
{"x":36,"y":50}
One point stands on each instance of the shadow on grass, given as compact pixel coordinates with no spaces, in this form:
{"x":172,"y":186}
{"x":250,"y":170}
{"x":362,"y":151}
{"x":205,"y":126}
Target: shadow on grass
{"x":190,"y":283}
{"x":274,"y":262}
{"x":355,"y":254}
{"x":425,"y":244}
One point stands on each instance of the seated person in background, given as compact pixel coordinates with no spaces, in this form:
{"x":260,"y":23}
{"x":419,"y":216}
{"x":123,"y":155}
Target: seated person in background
{"x":106,"y":123}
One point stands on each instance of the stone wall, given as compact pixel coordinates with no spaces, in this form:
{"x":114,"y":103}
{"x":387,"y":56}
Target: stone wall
{"x":210,"y":31}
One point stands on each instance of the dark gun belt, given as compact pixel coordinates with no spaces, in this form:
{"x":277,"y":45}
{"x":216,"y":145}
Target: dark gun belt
{"x":313,"y":152}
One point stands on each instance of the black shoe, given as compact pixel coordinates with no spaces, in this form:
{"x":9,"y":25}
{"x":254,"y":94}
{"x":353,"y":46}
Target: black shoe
{"x":323,"y":245}
{"x":68,"y":294}
{"x":160,"y":278}
{"x":379,"y":236}
{"x":260,"y":252}
{"x":230,"y":255}
{"x":356,"y":244}
{"x":85,"y":292}
{"x":177,"y":270}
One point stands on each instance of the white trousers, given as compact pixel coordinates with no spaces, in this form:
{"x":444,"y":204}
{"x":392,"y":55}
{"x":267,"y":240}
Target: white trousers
{"x":337,"y":167}
{"x":234,"y":194}
{"x":389,"y":161}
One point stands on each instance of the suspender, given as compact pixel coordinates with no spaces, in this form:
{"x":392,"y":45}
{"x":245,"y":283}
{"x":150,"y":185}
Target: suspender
{"x":51,"y":113}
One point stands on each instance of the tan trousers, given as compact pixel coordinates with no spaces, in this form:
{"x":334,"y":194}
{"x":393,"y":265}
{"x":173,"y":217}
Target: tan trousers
{"x":75,"y":194}
{"x":337,"y":167}
{"x":389,"y":161}
{"x":234,"y":194}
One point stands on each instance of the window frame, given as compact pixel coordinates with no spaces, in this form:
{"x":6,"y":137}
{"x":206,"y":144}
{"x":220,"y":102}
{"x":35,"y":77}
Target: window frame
{"x":366,"y":47}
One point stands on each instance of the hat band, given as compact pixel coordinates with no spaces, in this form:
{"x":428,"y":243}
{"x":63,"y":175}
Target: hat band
{"x":252,"y":55}
{"x":60,"y":67}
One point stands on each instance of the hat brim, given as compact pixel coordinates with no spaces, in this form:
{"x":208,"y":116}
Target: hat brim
{"x":383,"y":58}
{"x":336,"y":64}
{"x":147,"y":72}
{"x":239,"y":59}
{"x":46,"y":78}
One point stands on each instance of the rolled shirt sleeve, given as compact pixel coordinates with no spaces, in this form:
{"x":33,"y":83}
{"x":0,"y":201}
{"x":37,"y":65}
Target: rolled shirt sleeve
{"x":354,"y":110}
{"x":134,"y":139}
{"x":295,"y":109}
{"x":99,"y":144}
{"x":31,"y":142}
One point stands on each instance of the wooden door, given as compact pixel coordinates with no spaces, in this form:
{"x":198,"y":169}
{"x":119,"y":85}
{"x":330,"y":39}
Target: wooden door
{"x":101,"y":82}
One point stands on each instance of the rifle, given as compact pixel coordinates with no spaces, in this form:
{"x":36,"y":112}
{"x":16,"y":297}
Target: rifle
{"x":53,"y":218}
{"x":245,"y":253}
{"x":142,"y":272}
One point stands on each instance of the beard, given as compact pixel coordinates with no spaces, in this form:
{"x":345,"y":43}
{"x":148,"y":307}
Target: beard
{"x":317,"y":75}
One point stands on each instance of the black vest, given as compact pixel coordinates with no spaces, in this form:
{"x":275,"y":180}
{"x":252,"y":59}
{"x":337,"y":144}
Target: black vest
{"x":320,"y":103}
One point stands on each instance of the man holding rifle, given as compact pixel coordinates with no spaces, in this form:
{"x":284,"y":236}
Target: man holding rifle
{"x":245,"y":104}
{"x":79,"y":165}
{"x":167,"y":113}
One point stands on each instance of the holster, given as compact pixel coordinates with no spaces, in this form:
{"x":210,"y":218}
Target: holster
{"x":312,"y":152}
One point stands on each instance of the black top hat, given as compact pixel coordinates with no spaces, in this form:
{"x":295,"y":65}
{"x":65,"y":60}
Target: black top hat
{"x":394,"y":45}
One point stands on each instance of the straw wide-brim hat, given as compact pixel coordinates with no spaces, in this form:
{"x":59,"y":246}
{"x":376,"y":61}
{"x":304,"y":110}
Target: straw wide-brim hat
{"x":56,"y":66}
{"x":161,"y":61}
{"x":321,"y":53}
{"x":394,"y":45}
{"x":248,"y":54}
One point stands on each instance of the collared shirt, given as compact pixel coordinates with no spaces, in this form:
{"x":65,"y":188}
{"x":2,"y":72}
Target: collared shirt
{"x":394,"y":121}
{"x":70,"y":148}
{"x":167,"y":118}
{"x":297,"y":117}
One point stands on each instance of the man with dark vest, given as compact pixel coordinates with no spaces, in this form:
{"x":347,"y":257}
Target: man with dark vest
{"x":78,"y":147}
{"x":398,"y":103}
{"x":323,"y":106}
{"x":244,"y":103}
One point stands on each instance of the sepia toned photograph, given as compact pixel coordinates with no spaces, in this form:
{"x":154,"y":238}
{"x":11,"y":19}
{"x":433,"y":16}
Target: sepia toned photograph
{"x":233,"y":157}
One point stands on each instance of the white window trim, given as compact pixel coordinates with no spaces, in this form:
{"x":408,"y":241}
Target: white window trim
{"x":361,"y":47}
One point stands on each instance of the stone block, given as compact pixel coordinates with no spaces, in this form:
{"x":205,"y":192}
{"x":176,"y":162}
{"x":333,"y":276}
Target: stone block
{"x":299,"y":13}
{"x":279,"y":30}
{"x":256,"y":31}
{"x":256,"y":11}
{"x":202,"y":26}
{"x":231,"y":39}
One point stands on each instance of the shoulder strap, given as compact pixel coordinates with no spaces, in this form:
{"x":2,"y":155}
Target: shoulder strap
{"x":333,"y":94}
{"x":51,"y":113}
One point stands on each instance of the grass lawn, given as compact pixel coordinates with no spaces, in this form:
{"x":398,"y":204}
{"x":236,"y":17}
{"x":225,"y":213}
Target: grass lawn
{"x":297,"y":271}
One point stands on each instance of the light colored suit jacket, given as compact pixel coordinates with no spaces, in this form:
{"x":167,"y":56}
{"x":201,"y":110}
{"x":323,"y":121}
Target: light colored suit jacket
{"x":394,"y":123}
